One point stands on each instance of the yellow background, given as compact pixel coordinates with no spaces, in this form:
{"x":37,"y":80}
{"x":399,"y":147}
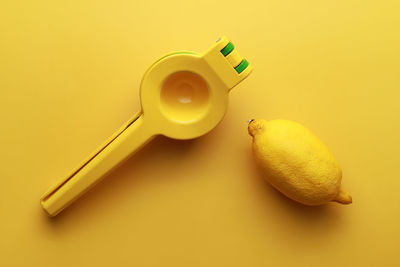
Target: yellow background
{"x":70,"y":74}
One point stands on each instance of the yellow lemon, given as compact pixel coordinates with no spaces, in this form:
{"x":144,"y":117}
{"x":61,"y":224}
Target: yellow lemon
{"x":296,"y":162}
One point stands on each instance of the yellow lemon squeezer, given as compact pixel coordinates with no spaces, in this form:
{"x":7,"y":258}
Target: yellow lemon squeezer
{"x":183,"y":96}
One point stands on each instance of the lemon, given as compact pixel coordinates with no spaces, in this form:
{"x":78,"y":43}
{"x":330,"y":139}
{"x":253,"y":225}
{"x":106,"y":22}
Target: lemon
{"x":296,"y":162}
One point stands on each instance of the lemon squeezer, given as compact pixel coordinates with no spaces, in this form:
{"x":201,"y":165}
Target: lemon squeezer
{"x":183,"y":95}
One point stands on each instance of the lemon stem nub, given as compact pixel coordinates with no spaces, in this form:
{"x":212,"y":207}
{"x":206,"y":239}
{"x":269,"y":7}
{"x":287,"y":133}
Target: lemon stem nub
{"x":343,"y":197}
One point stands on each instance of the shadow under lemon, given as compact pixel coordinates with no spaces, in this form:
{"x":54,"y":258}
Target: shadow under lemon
{"x":295,"y":223}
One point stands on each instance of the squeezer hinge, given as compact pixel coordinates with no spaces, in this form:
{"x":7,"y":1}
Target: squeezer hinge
{"x":226,"y":61}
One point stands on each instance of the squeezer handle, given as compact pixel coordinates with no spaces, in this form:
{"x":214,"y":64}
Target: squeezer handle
{"x":116,"y":150}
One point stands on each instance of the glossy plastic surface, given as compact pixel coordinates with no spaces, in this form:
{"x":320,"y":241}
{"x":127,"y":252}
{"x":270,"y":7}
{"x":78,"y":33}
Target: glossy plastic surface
{"x":183,"y":95}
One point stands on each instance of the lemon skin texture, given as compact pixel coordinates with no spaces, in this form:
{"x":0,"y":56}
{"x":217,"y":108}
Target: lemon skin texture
{"x":296,"y":162}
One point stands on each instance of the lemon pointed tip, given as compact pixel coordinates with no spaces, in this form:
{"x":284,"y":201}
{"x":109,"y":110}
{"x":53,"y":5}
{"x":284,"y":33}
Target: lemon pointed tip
{"x":343,"y":197}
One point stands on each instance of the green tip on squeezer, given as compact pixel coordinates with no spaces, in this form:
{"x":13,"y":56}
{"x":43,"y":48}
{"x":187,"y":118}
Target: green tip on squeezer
{"x":242,"y":66}
{"x":227,"y":49}
{"x":243,"y":63}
